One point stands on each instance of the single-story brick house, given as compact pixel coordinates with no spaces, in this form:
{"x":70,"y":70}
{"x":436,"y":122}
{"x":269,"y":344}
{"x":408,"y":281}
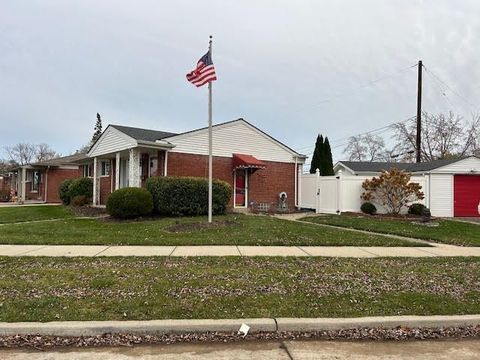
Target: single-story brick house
{"x":39,"y":182}
{"x":258,"y":167}
{"x":451,"y":187}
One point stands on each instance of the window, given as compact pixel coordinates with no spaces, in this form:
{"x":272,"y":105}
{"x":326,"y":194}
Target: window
{"x":35,"y":184}
{"x":87,"y":170}
{"x":105,"y":171}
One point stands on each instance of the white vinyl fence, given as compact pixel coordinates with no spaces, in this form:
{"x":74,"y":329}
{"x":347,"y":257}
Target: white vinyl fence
{"x":337,"y":194}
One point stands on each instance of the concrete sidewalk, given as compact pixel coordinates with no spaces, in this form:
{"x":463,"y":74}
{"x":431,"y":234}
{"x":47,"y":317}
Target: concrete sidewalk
{"x":186,"y":251}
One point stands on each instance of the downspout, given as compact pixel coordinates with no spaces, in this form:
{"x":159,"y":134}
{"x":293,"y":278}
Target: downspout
{"x":296,"y":182}
{"x":46,"y":184}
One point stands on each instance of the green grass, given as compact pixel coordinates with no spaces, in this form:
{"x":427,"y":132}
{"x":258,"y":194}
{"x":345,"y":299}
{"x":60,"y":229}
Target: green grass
{"x":238,"y":230}
{"x":47,"y":289}
{"x":13,"y":214}
{"x":448,"y":231}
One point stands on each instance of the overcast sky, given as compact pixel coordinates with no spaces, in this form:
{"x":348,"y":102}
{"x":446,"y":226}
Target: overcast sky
{"x":292,"y":68}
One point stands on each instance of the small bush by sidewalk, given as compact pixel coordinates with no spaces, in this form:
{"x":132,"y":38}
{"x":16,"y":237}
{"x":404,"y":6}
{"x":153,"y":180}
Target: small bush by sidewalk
{"x":187,"y":195}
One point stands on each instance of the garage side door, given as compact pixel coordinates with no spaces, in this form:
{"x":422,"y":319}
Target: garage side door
{"x":466,"y":195}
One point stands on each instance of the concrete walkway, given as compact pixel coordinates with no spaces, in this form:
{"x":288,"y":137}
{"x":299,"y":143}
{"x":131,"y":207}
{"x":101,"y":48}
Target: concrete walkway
{"x":186,"y":251}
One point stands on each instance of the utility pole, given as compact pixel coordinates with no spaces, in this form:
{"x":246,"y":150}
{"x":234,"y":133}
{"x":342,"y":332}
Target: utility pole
{"x":419,"y":113}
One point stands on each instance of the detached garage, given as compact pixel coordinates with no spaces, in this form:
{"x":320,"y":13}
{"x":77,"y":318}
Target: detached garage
{"x":451,"y":187}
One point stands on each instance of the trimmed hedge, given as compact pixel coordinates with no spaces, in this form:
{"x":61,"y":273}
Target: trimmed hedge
{"x":72,"y":188}
{"x":187,"y":196}
{"x":81,"y":187}
{"x":368,"y":208}
{"x":129,"y":203}
{"x":63,"y":192}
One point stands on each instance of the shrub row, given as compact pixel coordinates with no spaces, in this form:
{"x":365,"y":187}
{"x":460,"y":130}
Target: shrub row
{"x":414,"y":209}
{"x":77,"y":192}
{"x":177,"y":196}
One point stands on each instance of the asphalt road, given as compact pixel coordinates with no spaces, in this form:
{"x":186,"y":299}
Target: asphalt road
{"x":318,"y":350}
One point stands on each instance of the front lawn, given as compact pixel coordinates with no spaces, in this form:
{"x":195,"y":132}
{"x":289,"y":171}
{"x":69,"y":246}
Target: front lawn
{"x":55,"y":289}
{"x":13,"y":214}
{"x":447,"y":231}
{"x":227,"y":230}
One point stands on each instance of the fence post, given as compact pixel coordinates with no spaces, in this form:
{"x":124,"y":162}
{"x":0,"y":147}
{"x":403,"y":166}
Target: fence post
{"x":339,"y":192}
{"x":317,"y":189}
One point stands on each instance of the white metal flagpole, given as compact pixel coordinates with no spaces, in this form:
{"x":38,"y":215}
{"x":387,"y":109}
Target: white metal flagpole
{"x":210,"y":187}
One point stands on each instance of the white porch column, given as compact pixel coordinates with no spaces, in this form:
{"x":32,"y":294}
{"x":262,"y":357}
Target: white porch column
{"x":165,"y":163}
{"x":117,"y":171}
{"x":134,"y":168}
{"x":23,"y":185}
{"x":95,"y":181}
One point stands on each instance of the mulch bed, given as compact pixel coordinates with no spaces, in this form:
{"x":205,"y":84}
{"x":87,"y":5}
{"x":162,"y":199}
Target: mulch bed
{"x":403,"y":217}
{"x":367,"y":334}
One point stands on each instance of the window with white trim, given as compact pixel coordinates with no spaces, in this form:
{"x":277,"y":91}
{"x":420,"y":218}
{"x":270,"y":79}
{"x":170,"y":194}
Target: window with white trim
{"x":105,"y":168}
{"x":87,"y":170}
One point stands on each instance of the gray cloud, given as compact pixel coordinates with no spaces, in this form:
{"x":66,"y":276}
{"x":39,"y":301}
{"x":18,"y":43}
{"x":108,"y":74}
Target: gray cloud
{"x":294,"y":68}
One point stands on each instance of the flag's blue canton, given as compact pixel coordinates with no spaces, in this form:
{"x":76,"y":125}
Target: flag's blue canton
{"x":206,"y":59}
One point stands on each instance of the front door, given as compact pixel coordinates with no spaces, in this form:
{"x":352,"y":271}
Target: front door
{"x":240,"y":188}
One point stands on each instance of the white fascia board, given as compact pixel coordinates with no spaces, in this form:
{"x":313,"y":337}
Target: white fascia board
{"x":232,"y":123}
{"x":117,"y":133}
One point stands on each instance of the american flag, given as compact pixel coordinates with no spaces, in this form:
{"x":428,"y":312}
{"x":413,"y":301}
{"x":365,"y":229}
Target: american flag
{"x":204,"y":73}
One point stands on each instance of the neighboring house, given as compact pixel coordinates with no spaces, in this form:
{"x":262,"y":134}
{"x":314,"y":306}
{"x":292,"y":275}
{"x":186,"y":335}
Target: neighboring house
{"x":39,"y":182}
{"x":451,"y":187}
{"x":257,"y":166}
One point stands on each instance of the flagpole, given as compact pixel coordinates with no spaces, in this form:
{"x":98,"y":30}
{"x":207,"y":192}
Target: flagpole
{"x":210,"y":187}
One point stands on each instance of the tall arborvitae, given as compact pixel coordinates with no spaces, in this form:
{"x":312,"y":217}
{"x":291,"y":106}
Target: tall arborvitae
{"x":327,"y":160}
{"x":97,"y":130}
{"x":317,"y":155}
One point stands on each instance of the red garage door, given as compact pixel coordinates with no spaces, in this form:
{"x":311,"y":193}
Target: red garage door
{"x":466,"y":195}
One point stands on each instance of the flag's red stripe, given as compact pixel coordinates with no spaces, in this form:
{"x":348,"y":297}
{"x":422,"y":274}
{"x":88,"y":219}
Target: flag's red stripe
{"x":201,"y":77}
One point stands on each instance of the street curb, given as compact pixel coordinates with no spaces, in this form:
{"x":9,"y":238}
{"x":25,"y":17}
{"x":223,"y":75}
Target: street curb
{"x":159,"y":327}
{"x":387,"y":322}
{"x":150,"y":327}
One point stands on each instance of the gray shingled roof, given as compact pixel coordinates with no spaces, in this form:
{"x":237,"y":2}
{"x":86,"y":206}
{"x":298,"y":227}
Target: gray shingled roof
{"x":64,"y":160}
{"x":143,"y":134}
{"x":364,"y":166}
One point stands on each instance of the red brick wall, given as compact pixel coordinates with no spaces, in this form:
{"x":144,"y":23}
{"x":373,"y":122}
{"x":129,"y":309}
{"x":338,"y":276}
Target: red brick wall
{"x":264,"y":184}
{"x":105,"y":188}
{"x":55,"y":177}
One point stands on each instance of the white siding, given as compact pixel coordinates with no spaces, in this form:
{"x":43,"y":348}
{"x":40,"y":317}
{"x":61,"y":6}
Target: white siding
{"x":441,"y":195}
{"x":465,"y":166}
{"x":235,"y":137}
{"x":112,"y":141}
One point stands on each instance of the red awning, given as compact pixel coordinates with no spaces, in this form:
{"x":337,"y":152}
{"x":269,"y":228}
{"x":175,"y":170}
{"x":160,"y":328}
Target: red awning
{"x":243,"y":161}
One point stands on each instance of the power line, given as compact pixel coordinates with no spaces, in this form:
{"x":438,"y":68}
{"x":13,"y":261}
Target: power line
{"x":451,"y":89}
{"x":366,"y":85}
{"x":442,"y":91}
{"x":381,"y":129}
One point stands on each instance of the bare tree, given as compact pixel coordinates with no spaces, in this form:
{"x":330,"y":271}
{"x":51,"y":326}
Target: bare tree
{"x":444,"y":136}
{"x":366,"y":148}
{"x":45,"y":152}
{"x":22,"y":153}
{"x":6,"y":166}
{"x":25,"y":153}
